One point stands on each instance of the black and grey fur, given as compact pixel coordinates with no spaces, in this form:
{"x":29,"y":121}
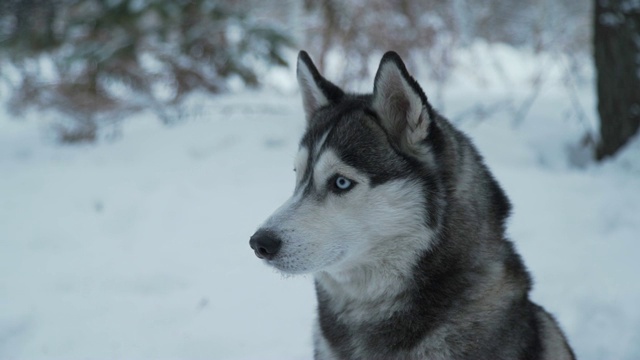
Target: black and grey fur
{"x":403,"y":227}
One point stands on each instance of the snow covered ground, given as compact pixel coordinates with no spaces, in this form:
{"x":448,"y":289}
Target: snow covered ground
{"x":138,"y":248}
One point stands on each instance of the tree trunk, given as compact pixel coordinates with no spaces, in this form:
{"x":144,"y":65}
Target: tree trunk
{"x":617,"y":61}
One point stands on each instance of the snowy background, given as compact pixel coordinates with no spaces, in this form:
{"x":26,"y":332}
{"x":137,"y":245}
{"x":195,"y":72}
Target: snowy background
{"x":137,"y":247}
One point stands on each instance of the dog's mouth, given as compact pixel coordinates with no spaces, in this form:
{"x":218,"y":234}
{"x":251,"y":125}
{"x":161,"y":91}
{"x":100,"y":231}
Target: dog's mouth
{"x":299,"y":263}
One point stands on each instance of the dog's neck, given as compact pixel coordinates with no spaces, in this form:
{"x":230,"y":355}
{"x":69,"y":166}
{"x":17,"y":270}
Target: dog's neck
{"x":379,"y":278}
{"x":362,"y":290}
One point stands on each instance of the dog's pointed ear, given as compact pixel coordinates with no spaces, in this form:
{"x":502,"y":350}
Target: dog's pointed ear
{"x":400,"y":102}
{"x":316,"y":91}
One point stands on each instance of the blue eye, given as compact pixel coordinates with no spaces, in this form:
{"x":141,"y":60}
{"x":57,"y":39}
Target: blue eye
{"x":341,"y":183}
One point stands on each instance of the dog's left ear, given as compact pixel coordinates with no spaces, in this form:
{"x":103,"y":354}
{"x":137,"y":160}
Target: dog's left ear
{"x":400,"y":102}
{"x":316,"y":90}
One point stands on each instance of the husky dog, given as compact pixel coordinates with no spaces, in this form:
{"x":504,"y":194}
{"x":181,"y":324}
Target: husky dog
{"x":403,"y":227}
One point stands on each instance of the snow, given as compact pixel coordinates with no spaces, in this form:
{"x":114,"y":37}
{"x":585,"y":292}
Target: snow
{"x":138,"y":247}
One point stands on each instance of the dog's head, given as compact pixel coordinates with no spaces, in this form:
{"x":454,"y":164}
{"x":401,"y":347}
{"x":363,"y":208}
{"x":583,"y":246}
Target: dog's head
{"x":364,"y":186}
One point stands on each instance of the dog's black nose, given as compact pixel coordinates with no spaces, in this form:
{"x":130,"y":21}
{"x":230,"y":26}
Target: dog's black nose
{"x":265,"y":243}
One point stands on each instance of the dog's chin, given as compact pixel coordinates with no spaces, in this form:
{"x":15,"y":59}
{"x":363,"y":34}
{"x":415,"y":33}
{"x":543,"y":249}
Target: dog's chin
{"x":291,"y":266}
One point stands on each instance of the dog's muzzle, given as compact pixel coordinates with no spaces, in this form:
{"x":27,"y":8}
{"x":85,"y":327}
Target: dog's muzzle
{"x":265,"y":243}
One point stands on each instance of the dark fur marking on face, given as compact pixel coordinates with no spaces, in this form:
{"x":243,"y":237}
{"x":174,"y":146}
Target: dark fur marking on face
{"x":367,"y":151}
{"x":354,"y":131}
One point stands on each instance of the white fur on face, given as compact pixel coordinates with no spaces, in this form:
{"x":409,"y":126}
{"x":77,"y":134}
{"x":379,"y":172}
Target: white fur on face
{"x":324,"y":231}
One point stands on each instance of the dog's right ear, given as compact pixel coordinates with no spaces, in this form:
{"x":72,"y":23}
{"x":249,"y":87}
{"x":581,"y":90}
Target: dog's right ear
{"x":316,"y":90}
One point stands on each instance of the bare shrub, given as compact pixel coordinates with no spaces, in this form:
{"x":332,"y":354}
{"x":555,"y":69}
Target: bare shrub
{"x":98,"y":59}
